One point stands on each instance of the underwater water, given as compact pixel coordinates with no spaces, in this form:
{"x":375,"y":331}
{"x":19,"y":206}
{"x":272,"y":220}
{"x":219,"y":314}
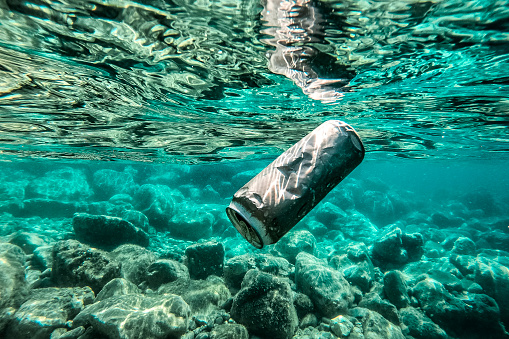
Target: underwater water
{"x":126,"y":127}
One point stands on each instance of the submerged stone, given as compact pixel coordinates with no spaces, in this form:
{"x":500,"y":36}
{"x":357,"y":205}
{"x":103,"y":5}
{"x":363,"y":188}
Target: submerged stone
{"x":395,"y":248}
{"x":327,"y":287}
{"x":107,"y":182}
{"x":137,"y":317}
{"x":106,"y":231}
{"x":205,"y":259}
{"x":418,"y":325}
{"x":13,"y":284}
{"x":395,"y":289}
{"x":494,"y":279}
{"x":203,"y":296}
{"x":376,"y":326}
{"x":75,"y":264}
{"x":47,"y":309}
{"x":65,"y":184}
{"x":157,"y":203}
{"x":464,"y":245}
{"x":135,"y":261}
{"x":229,"y":331}
{"x":163,"y":271}
{"x":27,"y":241}
{"x":373,"y":302}
{"x":295,"y":242}
{"x":236,"y":268}
{"x":117,"y":286}
{"x":265,"y":306}
{"x":341,"y":326}
{"x":356,"y":265}
{"x":193,"y":222}
{"x":47,"y":208}
{"x":441,"y":306}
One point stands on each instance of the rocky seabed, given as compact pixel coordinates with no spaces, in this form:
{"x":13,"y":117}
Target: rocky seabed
{"x":108,"y":253}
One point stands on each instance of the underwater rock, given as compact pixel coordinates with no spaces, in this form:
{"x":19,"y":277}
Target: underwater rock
{"x":433,"y":249}
{"x":104,"y":208}
{"x":157,"y":203}
{"x":75,"y":264}
{"x":47,"y":309}
{"x":163,"y":271}
{"x":494,"y":279}
{"x":6,"y":316}
{"x":356,"y":266}
{"x":117,"y":286}
{"x":65,"y":184}
{"x":327,"y":287}
{"x":374,"y":325}
{"x":481,"y":200}
{"x":107,"y":182}
{"x":47,"y":208}
{"x":313,"y":332}
{"x":27,"y":241}
{"x":13,"y":191}
{"x":463,"y":245}
{"x":496,"y":239}
{"x":330,"y":214}
{"x":448,"y":280}
{"x":295,"y":242}
{"x":303,"y":304}
{"x":135,"y":261}
{"x":483,"y":318}
{"x":42,"y":258}
{"x":446,"y":221}
{"x":343,"y":197}
{"x":395,"y":248}
{"x":377,"y":207}
{"x":264,"y":305}
{"x":13,"y":285}
{"x":418,"y":325}
{"x":205,"y":259}
{"x":316,"y":228}
{"x":395,"y":289}
{"x":341,"y":326}
{"x":442,"y":307}
{"x":137,"y":218}
{"x":192,"y":223}
{"x":205,"y":194}
{"x":107,"y":232}
{"x":237,"y":267}
{"x":203,"y":296}
{"x":62,"y":333}
{"x":229,"y":331}
{"x":358,"y":227}
{"x":373,"y":302}
{"x":122,"y":200}
{"x":137,"y":316}
{"x":308,"y":320}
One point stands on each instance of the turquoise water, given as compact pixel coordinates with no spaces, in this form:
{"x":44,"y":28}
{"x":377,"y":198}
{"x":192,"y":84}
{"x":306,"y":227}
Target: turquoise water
{"x":157,"y":112}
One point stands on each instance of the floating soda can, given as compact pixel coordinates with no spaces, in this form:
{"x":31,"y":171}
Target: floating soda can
{"x":275,"y":200}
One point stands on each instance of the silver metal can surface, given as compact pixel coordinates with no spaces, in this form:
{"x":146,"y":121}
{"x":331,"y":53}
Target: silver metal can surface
{"x":276,"y":199}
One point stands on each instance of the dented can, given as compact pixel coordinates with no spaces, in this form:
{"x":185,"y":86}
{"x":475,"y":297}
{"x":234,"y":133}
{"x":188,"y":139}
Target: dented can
{"x":276,"y":199}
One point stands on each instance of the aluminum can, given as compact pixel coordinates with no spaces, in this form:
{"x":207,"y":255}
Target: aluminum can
{"x":276,"y":199}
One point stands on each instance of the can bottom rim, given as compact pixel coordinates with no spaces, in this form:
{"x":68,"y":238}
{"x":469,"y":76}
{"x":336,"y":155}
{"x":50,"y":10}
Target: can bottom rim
{"x":244,"y":227}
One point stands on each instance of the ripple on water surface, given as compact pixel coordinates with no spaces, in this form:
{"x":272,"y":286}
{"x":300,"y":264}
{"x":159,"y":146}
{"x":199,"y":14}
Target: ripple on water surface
{"x":189,"y":81}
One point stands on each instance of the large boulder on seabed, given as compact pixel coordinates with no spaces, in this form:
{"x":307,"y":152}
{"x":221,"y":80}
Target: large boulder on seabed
{"x":75,"y":264}
{"x":136,"y":316}
{"x":327,"y":287}
{"x":107,"y":232}
{"x":265,"y":307}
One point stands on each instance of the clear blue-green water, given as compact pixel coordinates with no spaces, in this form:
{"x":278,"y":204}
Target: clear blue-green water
{"x":104,"y":101}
